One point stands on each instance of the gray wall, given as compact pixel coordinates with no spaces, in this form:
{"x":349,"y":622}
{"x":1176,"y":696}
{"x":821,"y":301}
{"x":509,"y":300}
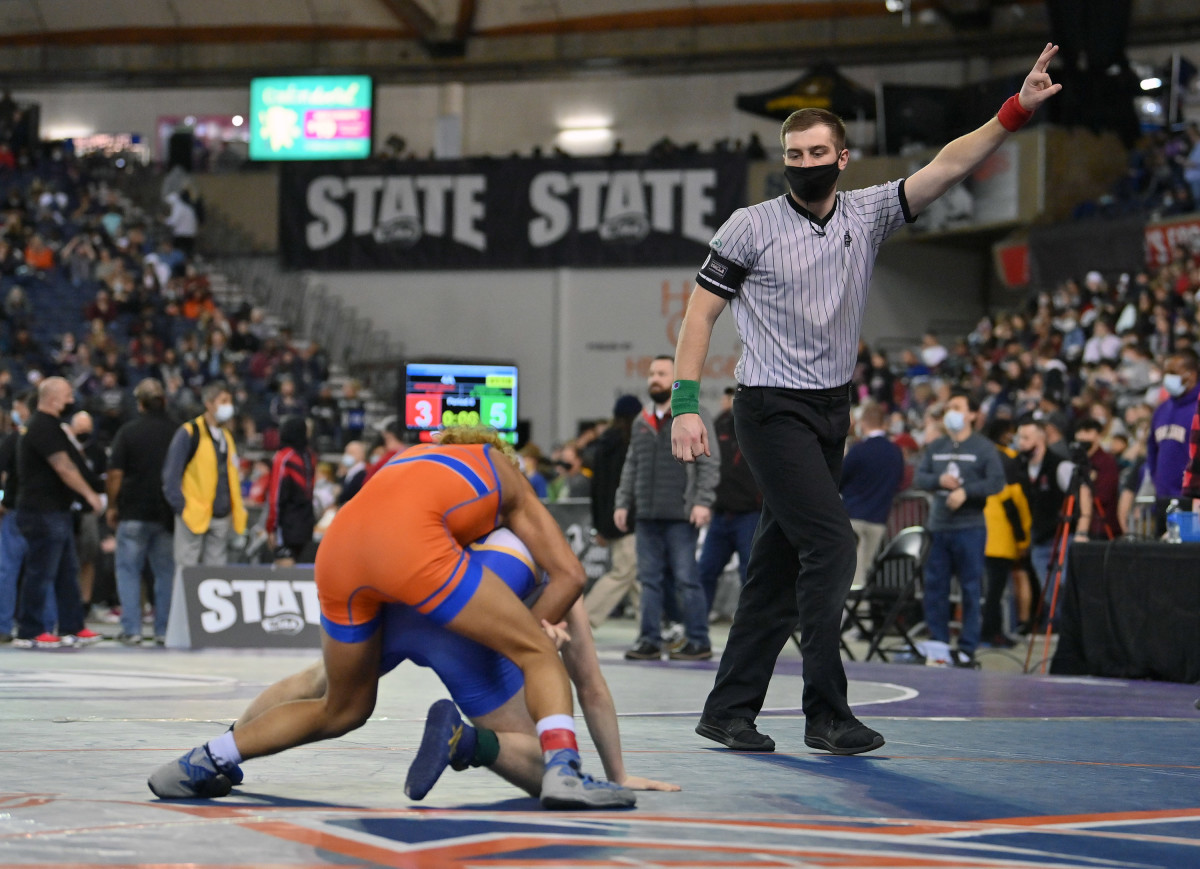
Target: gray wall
{"x":584,"y":336}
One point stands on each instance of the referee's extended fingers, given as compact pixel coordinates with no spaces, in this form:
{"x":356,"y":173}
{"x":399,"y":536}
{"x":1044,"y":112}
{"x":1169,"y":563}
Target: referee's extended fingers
{"x":1045,"y":57}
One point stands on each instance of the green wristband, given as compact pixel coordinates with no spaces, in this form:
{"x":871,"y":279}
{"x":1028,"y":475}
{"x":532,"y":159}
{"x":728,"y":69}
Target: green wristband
{"x":685,"y":397}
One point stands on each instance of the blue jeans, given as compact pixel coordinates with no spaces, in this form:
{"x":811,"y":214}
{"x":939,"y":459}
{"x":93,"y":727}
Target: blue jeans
{"x":958,"y":553}
{"x":51,"y":565}
{"x":1041,"y":554}
{"x":138,"y":541}
{"x":12,"y":557}
{"x":727,"y":533}
{"x":661,"y":542}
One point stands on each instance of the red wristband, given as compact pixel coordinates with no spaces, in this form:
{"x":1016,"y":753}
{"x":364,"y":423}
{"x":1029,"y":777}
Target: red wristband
{"x":1012,"y":115}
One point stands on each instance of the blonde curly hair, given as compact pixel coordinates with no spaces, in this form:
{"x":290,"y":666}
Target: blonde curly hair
{"x":477,"y":434}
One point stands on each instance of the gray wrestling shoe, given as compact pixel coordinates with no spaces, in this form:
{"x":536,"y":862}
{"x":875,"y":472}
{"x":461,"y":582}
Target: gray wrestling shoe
{"x":565,"y":786}
{"x":194,"y":776}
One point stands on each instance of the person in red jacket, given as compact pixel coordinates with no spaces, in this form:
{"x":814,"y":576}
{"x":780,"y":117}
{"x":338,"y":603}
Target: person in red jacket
{"x":393,"y":445}
{"x":290,"y":517}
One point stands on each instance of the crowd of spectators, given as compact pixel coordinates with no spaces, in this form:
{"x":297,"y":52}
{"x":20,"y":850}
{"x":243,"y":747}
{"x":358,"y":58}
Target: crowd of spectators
{"x":1162,"y":177}
{"x":133,"y":300}
{"x":1092,"y":349}
{"x":107,"y":295}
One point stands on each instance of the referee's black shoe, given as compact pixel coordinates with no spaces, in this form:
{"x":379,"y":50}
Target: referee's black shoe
{"x":644,"y":651}
{"x":740,"y":734}
{"x":841,"y":736}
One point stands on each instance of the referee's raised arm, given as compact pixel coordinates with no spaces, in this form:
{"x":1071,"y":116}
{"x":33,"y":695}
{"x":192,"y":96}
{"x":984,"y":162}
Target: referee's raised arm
{"x":689,"y":436}
{"x":962,"y":156}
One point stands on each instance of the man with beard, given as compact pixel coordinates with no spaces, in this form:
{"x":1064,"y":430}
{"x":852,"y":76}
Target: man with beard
{"x":795,"y":270}
{"x":672,"y":503}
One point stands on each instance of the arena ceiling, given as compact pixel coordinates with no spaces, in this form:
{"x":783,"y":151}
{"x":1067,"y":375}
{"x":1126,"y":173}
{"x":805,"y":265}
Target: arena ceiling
{"x":216,"y":42}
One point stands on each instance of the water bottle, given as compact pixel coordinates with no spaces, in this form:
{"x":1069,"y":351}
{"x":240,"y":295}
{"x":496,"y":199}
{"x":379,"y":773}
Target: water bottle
{"x":1173,"y":535}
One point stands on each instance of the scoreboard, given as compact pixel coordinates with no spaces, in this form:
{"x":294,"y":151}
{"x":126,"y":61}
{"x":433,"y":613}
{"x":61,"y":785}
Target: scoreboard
{"x":438,"y":395}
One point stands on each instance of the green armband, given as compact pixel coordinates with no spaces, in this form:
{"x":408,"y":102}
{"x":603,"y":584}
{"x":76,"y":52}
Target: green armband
{"x":685,"y":397}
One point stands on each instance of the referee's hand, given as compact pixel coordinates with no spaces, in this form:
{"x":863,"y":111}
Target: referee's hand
{"x":689,"y":437}
{"x":1038,"y":87}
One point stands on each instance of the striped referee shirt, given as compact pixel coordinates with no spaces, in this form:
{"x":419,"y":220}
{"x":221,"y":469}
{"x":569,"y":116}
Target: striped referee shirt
{"x":797,"y":285}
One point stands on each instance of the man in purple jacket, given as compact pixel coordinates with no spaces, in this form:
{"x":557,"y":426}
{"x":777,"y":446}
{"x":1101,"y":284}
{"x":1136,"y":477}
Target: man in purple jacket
{"x":1167,"y":445}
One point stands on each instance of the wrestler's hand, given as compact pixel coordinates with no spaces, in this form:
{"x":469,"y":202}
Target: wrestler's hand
{"x":637,"y":783}
{"x":689,"y":437}
{"x":557,"y":633}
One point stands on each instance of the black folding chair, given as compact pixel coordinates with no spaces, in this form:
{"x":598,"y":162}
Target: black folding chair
{"x":891,"y":586}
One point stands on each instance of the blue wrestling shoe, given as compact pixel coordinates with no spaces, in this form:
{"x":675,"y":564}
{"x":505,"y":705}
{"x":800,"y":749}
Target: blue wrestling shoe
{"x":195,"y":775}
{"x":565,"y":786}
{"x":448,"y":741}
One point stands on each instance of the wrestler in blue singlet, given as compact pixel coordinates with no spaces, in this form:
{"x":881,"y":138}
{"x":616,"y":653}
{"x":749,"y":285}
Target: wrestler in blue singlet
{"x":480,"y":680}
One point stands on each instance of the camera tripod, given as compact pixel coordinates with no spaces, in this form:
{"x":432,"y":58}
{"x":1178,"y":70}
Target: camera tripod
{"x":1058,"y":559}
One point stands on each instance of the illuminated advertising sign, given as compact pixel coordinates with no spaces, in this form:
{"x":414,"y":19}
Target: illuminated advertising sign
{"x":310,"y":118}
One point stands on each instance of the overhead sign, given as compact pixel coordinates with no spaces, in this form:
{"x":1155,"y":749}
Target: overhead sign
{"x":516,"y":213}
{"x":324,"y":117}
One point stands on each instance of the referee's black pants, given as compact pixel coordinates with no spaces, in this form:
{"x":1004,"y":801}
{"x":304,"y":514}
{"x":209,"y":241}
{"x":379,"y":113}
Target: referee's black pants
{"x":803,"y":556}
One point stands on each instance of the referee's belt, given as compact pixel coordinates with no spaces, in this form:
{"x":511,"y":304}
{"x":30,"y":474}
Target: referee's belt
{"x":844,"y":389}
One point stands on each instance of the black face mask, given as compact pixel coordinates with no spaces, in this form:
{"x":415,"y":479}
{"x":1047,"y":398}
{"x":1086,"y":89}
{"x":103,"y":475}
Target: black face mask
{"x":660,"y":396}
{"x":812,"y":183}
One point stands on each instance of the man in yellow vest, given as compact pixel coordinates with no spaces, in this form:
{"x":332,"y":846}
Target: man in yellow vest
{"x":201,"y":483}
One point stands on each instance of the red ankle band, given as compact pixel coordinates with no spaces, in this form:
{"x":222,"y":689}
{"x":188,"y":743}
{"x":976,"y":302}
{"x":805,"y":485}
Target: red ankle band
{"x":553,"y":740}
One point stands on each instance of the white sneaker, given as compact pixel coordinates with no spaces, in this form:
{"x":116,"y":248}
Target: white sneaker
{"x":937,"y":654}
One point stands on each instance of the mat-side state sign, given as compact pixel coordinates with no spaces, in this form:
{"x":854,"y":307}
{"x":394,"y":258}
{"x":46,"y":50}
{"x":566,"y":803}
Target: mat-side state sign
{"x":245,"y":606}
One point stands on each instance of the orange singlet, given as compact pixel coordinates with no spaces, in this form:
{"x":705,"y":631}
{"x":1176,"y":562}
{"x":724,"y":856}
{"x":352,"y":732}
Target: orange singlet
{"x":400,"y":539}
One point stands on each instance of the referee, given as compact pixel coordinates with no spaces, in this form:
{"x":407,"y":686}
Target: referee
{"x":795,"y":271}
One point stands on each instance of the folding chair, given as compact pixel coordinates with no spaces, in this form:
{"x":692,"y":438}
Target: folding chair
{"x":892,"y":584}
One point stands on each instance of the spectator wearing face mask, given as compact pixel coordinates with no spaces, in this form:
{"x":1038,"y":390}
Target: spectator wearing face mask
{"x":200,"y":482}
{"x":962,"y":470}
{"x":354,"y":470}
{"x":1170,"y":432}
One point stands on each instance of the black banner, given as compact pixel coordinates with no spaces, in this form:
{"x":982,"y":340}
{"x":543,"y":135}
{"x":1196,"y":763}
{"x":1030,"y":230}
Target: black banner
{"x":514,"y":213}
{"x":1063,"y":250}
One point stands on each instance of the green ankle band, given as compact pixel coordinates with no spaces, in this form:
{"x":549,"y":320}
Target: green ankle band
{"x":487,"y":747}
{"x":685,"y":397}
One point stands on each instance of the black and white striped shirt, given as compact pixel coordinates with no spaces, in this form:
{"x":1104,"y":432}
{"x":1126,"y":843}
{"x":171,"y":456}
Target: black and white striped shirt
{"x":798,"y":286}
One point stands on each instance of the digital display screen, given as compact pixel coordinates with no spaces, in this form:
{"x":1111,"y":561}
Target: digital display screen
{"x":325,"y":117}
{"x":438,"y":395}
